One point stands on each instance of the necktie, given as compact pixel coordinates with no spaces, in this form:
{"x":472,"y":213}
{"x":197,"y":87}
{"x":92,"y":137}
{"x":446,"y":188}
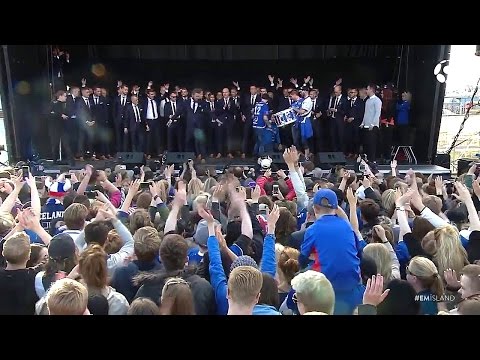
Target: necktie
{"x":153,"y":109}
{"x":336,"y":101}
{"x":123,"y":100}
{"x":193,"y":106}
{"x":211,"y":106}
{"x":87,"y":102}
{"x":137,"y":118}
{"x":313,"y":105}
{"x":173,"y":107}
{"x":352,"y":102}
{"x":96,"y":101}
{"x":253,"y":100}
{"x":226,"y":103}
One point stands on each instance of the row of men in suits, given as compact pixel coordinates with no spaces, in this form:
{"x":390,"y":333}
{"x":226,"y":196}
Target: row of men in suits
{"x":221,"y":126}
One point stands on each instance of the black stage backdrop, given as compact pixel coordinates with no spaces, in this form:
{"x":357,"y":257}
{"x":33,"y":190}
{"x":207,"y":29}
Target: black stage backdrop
{"x":215,"y":66}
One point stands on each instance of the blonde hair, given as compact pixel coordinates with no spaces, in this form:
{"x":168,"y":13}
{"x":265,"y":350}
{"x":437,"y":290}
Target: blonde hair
{"x":447,"y":252}
{"x":314,"y":291}
{"x":427,"y":274}
{"x":202,"y":198}
{"x":388,"y":201}
{"x":244,"y":285}
{"x":380,"y":254}
{"x":16,"y":249}
{"x":209,"y":184}
{"x":75,"y":216}
{"x":67,"y":297}
{"x":163,"y":187}
{"x":113,"y":244}
{"x":195,"y":187}
{"x":7,"y":223}
{"x":146,"y":243}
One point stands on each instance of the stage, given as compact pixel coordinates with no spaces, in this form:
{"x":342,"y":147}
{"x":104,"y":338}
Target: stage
{"x":220,"y":164}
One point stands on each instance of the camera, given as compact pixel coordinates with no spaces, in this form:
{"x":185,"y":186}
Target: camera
{"x":144,"y":185}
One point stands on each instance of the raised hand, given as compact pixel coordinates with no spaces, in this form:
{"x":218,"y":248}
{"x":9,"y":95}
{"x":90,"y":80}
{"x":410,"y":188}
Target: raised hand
{"x":279,"y":82}
{"x":374,"y":293}
{"x":256,"y":194}
{"x":84,"y":81}
{"x":181,"y":194}
{"x":293,"y":81}
{"x":338,"y":82}
{"x":401,"y":200}
{"x":311,"y":81}
{"x":271,"y":78}
{"x":118,"y":180}
{"x":476,"y":187}
{"x":18,"y":181}
{"x":393,"y":164}
{"x":150,"y":84}
{"x":273,"y":218}
{"x":153,"y":189}
{"x":351,"y":198}
{"x":235,"y":83}
{"x":438,"y":184}
{"x":307,"y":79}
{"x":380,"y":232}
{"x":119,"y":83}
{"x":450,"y":277}
{"x":220,"y":238}
{"x":101,"y":197}
{"x":463,"y":192}
{"x":169,"y":171}
{"x":366,"y":182}
{"x":205,"y":215}
{"x":281,"y":174}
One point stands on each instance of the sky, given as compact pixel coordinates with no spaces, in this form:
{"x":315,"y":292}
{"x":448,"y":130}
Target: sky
{"x":464,"y":68}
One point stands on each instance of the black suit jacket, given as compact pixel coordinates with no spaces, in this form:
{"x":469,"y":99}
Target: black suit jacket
{"x":130,"y":121}
{"x":118,"y":109}
{"x":144,"y":105}
{"x":84,"y":113}
{"x":71,"y":107}
{"x":356,"y":111}
{"x":341,"y":107}
{"x":99,"y":111}
{"x":193,"y":118}
{"x":318,"y":106}
{"x":247,"y":109}
{"x":224,"y":113}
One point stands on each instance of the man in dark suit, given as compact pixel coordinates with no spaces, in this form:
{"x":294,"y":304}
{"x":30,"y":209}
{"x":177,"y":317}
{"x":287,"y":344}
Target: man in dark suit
{"x":59,"y":61}
{"x":336,"y":113}
{"x":85,"y":122}
{"x":354,"y":114}
{"x":118,"y":111}
{"x":71,"y":111}
{"x":195,"y":115}
{"x":151,"y":113}
{"x":212,"y":142}
{"x":57,"y":126}
{"x":249,"y":102}
{"x":175,"y":127}
{"x":110,"y":138}
{"x":100,"y":129}
{"x":317,"y":125}
{"x":224,"y":112}
{"x":135,"y":124}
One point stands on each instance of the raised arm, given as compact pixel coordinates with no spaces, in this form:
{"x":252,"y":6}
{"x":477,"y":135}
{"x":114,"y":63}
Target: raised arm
{"x":31,"y":221}
{"x":34,"y":197}
{"x":268,"y":264}
{"x":465,"y":197}
{"x":178,"y":202}
{"x":86,"y":179}
{"x":238,"y":200}
{"x":132,"y":191}
{"x":352,"y":204}
{"x":290,"y":155}
{"x":9,"y":202}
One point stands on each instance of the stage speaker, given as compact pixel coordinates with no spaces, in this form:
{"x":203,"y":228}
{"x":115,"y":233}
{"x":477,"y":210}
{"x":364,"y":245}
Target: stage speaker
{"x":277,"y":158}
{"x":332,"y":158}
{"x":179,"y":157}
{"x":442,"y":160}
{"x":463,"y":165}
{"x":131,"y":159}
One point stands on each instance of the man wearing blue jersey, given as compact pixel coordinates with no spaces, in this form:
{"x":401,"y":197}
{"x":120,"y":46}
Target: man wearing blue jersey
{"x":334,"y":247}
{"x":302,"y":130}
{"x":260,"y":124}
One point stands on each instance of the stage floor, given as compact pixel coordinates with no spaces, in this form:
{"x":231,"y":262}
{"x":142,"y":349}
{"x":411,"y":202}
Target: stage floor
{"x":222,"y":163}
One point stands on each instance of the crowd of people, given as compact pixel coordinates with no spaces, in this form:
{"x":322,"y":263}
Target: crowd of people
{"x":228,"y":123}
{"x":270,"y":242}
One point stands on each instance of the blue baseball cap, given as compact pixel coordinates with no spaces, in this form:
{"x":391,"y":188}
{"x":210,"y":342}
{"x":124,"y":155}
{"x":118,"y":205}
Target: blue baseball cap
{"x":326,"y":198}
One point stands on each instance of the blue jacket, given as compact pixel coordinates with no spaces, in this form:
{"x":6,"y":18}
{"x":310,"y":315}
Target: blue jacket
{"x":262,"y":309}
{"x":336,"y":250}
{"x":52,"y":209}
{"x":218,"y":279}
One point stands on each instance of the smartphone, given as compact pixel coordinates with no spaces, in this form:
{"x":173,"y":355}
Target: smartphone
{"x":360,"y":176}
{"x":144,"y":185}
{"x":25,"y":172}
{"x":275,"y":190}
{"x":68,"y":176}
{"x":469,"y":181}
{"x":91,"y":194}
